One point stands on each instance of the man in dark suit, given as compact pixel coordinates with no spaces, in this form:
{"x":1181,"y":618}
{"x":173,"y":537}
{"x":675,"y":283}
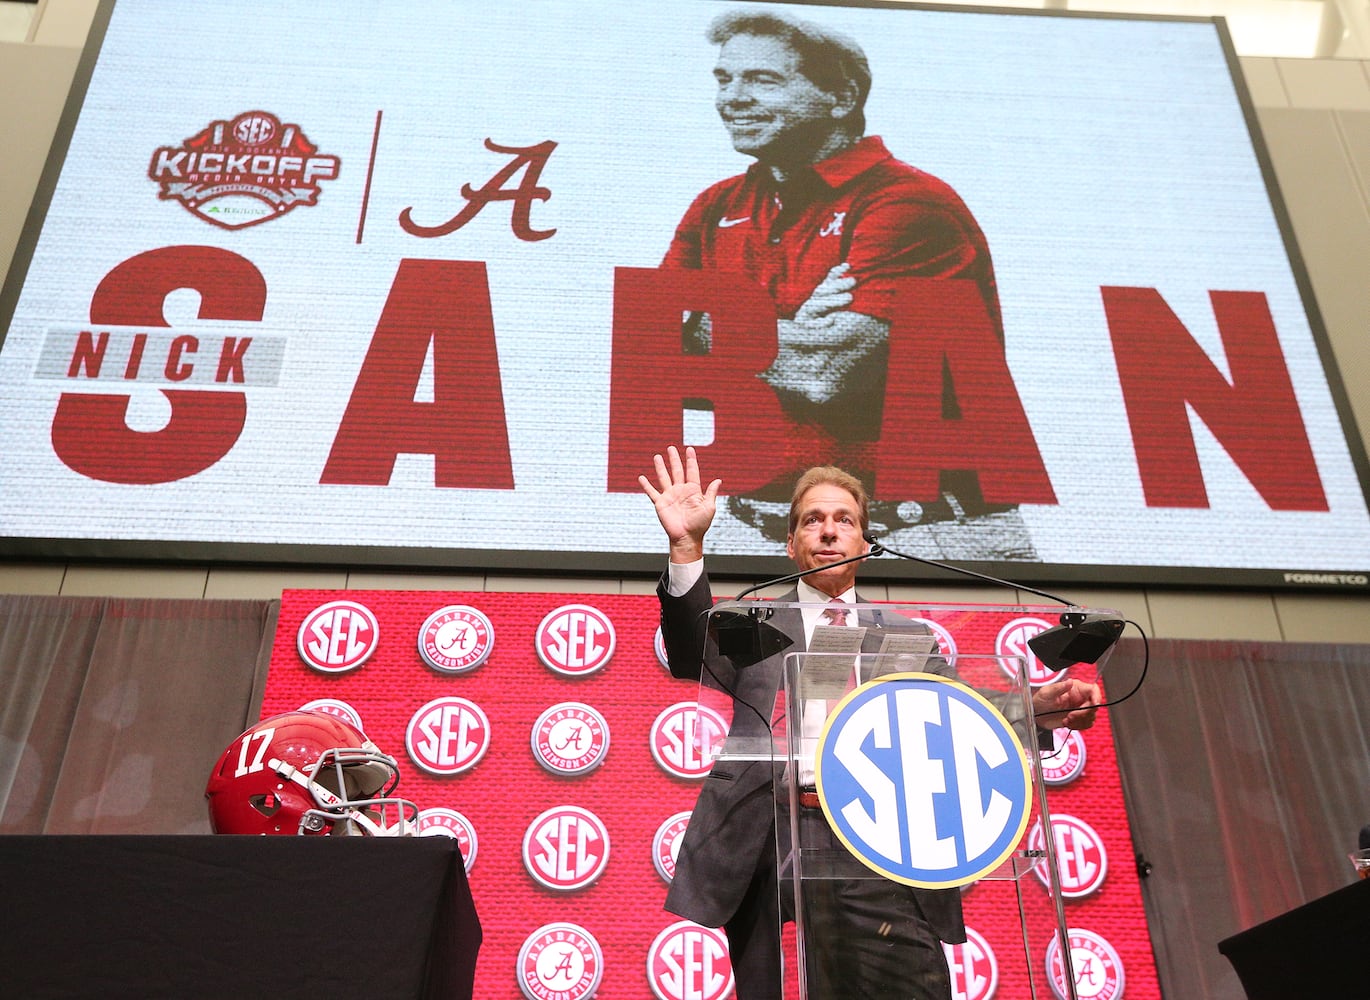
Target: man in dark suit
{"x":726,"y":869}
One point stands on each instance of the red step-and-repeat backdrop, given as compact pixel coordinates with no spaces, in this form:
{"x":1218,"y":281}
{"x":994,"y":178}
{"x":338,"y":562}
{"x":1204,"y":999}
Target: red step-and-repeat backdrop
{"x":543,"y":732}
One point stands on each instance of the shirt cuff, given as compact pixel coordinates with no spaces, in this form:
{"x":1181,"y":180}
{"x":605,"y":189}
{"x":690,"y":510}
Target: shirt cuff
{"x":680,"y":577}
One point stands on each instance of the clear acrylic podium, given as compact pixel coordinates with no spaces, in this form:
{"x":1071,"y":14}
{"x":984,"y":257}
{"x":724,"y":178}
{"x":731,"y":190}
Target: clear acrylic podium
{"x":861,"y":705}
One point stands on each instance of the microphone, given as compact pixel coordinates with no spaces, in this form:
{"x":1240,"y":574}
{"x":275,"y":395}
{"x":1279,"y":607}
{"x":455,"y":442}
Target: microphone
{"x":1081,"y":637}
{"x":743,"y":636}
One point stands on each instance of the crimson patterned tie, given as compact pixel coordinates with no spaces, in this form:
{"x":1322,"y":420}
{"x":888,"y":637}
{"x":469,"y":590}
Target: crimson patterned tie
{"x":838,"y":615}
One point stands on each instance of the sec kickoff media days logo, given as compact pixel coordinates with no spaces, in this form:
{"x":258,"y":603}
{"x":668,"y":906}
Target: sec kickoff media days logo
{"x":447,"y":736}
{"x":1081,"y":858}
{"x":566,"y":848}
{"x":923,"y":780}
{"x":690,"y":962}
{"x":686,"y":737}
{"x":337,"y":637}
{"x":973,"y":966}
{"x":575,"y":641}
{"x":242,"y":172}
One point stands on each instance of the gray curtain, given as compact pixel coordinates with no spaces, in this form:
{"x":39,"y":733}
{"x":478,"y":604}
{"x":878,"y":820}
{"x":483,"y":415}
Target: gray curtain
{"x":114,"y":711}
{"x":1246,"y":772}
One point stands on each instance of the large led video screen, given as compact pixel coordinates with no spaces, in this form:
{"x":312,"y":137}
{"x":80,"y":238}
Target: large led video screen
{"x":429,"y":284}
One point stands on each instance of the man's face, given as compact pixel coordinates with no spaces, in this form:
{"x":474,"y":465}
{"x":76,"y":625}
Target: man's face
{"x":771,"y":110}
{"x":828,"y":529}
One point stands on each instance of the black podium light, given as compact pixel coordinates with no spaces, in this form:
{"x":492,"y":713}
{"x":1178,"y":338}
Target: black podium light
{"x":744,"y":637}
{"x":1080,"y":638}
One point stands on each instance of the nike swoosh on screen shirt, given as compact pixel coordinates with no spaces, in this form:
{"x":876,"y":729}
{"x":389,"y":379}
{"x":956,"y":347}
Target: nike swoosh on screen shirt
{"x":725,"y":223}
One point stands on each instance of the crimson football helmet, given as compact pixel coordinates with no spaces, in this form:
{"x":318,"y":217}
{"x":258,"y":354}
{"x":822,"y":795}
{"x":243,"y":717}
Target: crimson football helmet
{"x":311,"y":774}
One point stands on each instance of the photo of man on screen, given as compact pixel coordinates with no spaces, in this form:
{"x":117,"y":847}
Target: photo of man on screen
{"x":829,"y":223}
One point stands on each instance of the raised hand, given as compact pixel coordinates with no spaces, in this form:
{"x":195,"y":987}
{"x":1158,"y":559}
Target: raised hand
{"x":684,"y":508}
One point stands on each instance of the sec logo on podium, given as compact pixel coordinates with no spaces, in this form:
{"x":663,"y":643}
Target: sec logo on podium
{"x":923,"y":780}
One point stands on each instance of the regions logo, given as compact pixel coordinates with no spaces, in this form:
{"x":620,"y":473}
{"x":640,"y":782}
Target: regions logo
{"x":974,"y":969}
{"x":566,"y":848}
{"x":560,"y":961}
{"x":1097,"y":966}
{"x":1081,"y":860}
{"x":666,"y":844}
{"x":689,"y":962}
{"x":440,"y":821}
{"x":575,"y":641}
{"x":686,"y":738}
{"x":1013,"y":642}
{"x":570,"y":738}
{"x":242,"y":172}
{"x":447,"y":736}
{"x":336,"y":708}
{"x":1067,"y":761}
{"x":337,"y":637}
{"x":923,"y":780}
{"x":456,"y":639}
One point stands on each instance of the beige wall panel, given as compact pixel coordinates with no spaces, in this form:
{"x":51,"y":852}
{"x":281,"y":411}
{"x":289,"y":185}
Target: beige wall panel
{"x":33,"y":578}
{"x":63,"y":22}
{"x":932,"y":593}
{"x":551,"y":584}
{"x":238,"y":584}
{"x":1191,"y":614}
{"x":1324,"y":617}
{"x":1332,"y":228}
{"x":1131,"y":604}
{"x":395,"y":580}
{"x":638,"y":585}
{"x":134,"y":581}
{"x":42,"y":75}
{"x":1264,"y":82}
{"x":1325,"y":83}
{"x":1355,"y":132}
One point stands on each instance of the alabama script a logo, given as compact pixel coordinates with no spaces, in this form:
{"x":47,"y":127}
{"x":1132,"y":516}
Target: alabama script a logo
{"x":242,"y":172}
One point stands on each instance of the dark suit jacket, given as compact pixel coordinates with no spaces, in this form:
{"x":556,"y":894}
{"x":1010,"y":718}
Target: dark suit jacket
{"x":734,"y":816}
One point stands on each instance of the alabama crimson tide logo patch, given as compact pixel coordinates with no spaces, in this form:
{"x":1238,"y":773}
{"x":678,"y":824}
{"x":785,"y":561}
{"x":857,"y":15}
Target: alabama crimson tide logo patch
{"x":974,"y":969}
{"x":336,"y":708}
{"x":1067,"y":762}
{"x":560,"y":961}
{"x":666,"y":844}
{"x":685,"y":739}
{"x":456,"y":639}
{"x":575,"y":640}
{"x":337,"y":637}
{"x":689,"y":962}
{"x":570,"y":738}
{"x":447,"y":736}
{"x":1096,"y":963}
{"x":1081,"y":860}
{"x":566,"y":848}
{"x":242,"y":172}
{"x":440,"y":821}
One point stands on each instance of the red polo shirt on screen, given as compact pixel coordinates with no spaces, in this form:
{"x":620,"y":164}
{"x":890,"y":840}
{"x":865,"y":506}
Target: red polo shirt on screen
{"x":886,"y":219}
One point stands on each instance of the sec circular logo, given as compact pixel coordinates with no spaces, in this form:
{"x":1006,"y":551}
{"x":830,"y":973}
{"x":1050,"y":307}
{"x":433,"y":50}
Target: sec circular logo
{"x":946,"y":642}
{"x":566,"y":848}
{"x":923,"y":780}
{"x":336,"y":708}
{"x":666,"y":845}
{"x":686,"y":738}
{"x":560,"y":961}
{"x":337,"y":637}
{"x":575,"y":641}
{"x":1013,"y":641}
{"x":447,"y":736}
{"x":1067,"y":762}
{"x":1097,"y":966}
{"x":689,"y":962}
{"x":1081,"y":860}
{"x":570,"y":739}
{"x":456,"y":639}
{"x":440,"y":821}
{"x":974,"y":969}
